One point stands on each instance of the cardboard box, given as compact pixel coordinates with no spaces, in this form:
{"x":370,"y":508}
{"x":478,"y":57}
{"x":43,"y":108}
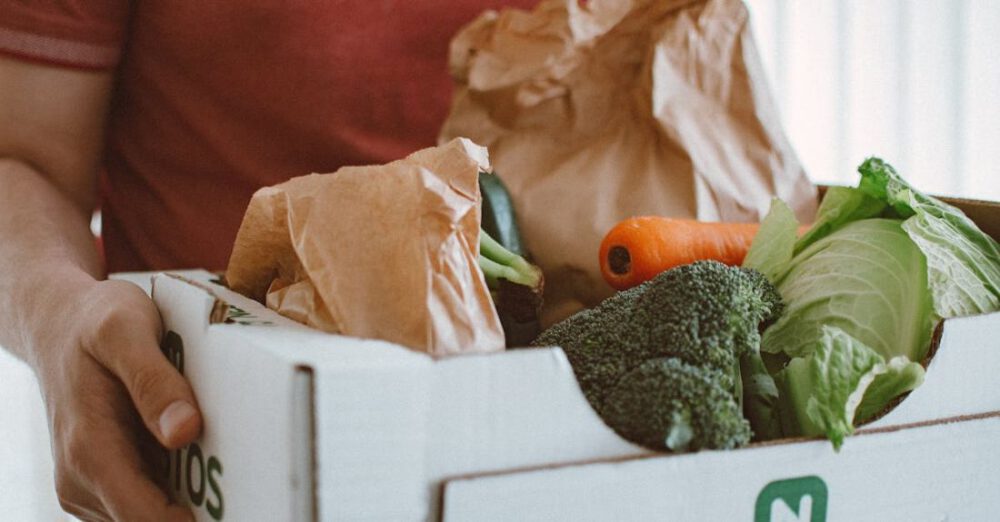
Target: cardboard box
{"x":302,"y":425}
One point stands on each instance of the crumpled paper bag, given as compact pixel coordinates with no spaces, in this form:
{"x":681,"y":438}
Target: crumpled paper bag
{"x":597,"y":111}
{"x":387,"y":252}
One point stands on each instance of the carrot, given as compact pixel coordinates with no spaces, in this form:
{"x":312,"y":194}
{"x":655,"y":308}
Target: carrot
{"x":639,"y":248}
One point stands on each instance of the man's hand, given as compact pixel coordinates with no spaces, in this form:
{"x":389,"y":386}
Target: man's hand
{"x":88,"y":372}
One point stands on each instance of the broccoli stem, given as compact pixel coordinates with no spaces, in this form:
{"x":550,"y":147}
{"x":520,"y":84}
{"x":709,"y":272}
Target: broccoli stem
{"x":760,"y":396}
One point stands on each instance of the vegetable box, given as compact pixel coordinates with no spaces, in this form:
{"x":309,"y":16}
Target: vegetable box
{"x":302,"y":425}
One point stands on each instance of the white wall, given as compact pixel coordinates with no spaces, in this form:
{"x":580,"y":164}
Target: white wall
{"x":916,"y":82}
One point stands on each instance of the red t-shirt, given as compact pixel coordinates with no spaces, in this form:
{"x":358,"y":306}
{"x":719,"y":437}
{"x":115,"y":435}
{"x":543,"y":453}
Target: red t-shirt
{"x":217,"y":99}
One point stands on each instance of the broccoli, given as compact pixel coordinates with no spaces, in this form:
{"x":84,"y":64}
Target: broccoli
{"x":660,"y":362}
{"x":668,"y":403}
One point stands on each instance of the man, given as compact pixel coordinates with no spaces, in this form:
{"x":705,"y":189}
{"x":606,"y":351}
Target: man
{"x":181,"y":110}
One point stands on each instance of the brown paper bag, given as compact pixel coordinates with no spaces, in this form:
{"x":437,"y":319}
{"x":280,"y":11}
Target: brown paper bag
{"x":597,"y":111}
{"x":387,"y":252}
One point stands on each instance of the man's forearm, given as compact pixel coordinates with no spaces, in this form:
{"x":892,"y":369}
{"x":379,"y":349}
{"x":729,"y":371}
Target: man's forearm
{"x":47,"y":251}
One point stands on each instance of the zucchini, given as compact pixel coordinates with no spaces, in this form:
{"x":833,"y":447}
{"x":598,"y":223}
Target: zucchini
{"x":498,"y":213}
{"x":499,"y":221}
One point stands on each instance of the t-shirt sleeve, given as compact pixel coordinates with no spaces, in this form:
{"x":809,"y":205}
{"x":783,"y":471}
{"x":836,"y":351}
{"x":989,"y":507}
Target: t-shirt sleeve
{"x":86,"y":34}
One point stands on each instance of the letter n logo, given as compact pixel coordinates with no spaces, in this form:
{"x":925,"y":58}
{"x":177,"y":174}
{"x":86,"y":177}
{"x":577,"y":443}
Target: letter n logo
{"x":801,"y":499}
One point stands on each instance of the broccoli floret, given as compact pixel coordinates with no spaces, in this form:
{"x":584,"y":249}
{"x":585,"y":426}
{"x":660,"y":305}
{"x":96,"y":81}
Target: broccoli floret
{"x":705,"y":315}
{"x":668,"y":404}
{"x":590,"y":344}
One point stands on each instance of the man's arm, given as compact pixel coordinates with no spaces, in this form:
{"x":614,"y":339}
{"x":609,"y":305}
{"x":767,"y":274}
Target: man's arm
{"x":52,"y":123}
{"x":93,"y":344}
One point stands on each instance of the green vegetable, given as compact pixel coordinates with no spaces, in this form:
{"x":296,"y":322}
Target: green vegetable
{"x":963,"y":263}
{"x":863,"y":289}
{"x":498,"y":217}
{"x":660,"y":362}
{"x":840,"y":206}
{"x":760,"y":397}
{"x":842,"y":381}
{"x":866,"y":278}
{"x":499,"y":222}
{"x":667,"y":403}
{"x":499,"y":263}
{"x":515,"y":283}
{"x":774,"y":244}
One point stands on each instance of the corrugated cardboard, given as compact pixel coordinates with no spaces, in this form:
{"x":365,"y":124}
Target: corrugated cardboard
{"x":301,"y":425}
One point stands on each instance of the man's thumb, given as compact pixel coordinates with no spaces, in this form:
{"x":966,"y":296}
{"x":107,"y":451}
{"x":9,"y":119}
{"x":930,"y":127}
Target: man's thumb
{"x":163,"y":399}
{"x":178,"y":423}
{"x":158,"y":391}
{"x":125,"y":340}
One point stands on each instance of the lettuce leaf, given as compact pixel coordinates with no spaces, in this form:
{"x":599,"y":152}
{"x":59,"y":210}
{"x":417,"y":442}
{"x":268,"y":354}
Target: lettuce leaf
{"x":867,"y":278}
{"x":770,"y":253}
{"x":760,"y":397}
{"x":901,"y":375}
{"x":863,"y":289}
{"x":963,"y":263}
{"x":842,"y":381}
{"x":840,"y":206}
{"x":773,"y":246}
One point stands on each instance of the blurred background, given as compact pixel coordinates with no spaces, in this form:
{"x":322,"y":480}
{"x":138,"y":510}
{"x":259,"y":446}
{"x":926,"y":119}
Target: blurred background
{"x":915,"y":82}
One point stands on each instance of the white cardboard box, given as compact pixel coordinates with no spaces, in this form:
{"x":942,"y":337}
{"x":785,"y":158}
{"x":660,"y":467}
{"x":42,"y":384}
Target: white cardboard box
{"x":302,"y":425}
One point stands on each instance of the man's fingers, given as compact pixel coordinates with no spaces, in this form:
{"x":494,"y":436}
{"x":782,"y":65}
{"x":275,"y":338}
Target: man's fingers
{"x":128,"y":494}
{"x":162,"y":397}
{"x":135,"y":497}
{"x":126,"y":342}
{"x":81,"y":504}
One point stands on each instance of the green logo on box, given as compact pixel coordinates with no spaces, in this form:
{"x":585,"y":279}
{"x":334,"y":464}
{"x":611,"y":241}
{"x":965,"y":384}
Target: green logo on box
{"x":173,"y":350}
{"x":190,"y":465}
{"x":801,"y":499}
{"x":238,"y":315}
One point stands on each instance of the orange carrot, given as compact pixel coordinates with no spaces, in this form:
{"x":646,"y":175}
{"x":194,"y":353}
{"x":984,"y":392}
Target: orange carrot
{"x":639,"y":248}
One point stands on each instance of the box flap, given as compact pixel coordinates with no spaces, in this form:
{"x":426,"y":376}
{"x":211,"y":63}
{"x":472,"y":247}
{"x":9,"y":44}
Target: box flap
{"x":144,"y":280}
{"x":285,"y":338}
{"x":269,"y":379}
{"x":936,"y":472}
{"x":522,"y":408}
{"x":249,"y":411}
{"x":371,"y":423}
{"x":511,"y":410}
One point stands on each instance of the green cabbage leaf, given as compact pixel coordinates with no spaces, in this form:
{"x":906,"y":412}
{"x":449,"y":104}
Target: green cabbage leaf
{"x":863,"y":290}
